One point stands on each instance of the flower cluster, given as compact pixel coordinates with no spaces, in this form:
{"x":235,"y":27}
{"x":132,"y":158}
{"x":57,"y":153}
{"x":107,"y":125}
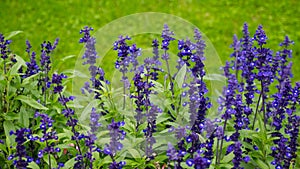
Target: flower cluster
{"x":90,"y":54}
{"x":32,"y":66}
{"x":21,"y":154}
{"x":4,"y":49}
{"x":200,"y":152}
{"x":116,"y":135}
{"x":283,"y":107}
{"x":69,"y":114}
{"x":47,"y":137}
{"x":126,"y":55}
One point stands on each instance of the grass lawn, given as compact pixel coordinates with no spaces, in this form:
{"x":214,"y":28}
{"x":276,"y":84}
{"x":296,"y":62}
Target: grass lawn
{"x":219,"y":20}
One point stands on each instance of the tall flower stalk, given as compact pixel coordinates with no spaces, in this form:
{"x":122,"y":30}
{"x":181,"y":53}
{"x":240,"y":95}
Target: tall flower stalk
{"x":68,"y":113}
{"x":167,"y":36}
{"x":4,"y":50}
{"x":126,"y":55}
{"x":45,"y":61}
{"x":116,"y":135}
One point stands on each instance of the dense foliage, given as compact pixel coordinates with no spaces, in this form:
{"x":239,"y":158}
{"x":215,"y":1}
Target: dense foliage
{"x":158,"y":118}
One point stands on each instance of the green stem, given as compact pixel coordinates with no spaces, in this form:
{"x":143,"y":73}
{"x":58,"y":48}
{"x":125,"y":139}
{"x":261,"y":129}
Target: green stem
{"x":256,"y":109}
{"x":49,"y":158}
{"x":124,"y":91}
{"x":73,"y":127}
{"x":222,"y":140}
{"x":217,"y":152}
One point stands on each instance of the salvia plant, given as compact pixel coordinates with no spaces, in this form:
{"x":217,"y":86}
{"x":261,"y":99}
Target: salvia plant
{"x":162,"y":119}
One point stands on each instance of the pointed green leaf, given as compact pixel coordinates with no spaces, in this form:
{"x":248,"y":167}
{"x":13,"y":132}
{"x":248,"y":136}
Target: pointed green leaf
{"x":85,"y":113}
{"x":24,"y":117}
{"x":261,"y":164}
{"x":33,"y":165}
{"x":28,"y":79}
{"x":12,"y":34}
{"x":67,"y":57}
{"x":179,"y":78}
{"x":70,"y":163}
{"x":15,"y":68}
{"x":8,"y":126}
{"x":134,"y":153}
{"x":52,"y":160}
{"x":31,"y":102}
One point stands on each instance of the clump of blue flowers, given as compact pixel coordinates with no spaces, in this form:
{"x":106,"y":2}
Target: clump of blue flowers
{"x":163,"y":121}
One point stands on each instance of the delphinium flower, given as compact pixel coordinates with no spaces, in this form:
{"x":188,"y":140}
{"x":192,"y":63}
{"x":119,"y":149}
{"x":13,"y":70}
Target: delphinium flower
{"x":91,"y":137}
{"x":213,"y":131}
{"x":155,"y":52}
{"x":4,"y":50}
{"x":202,"y":155}
{"x":185,"y":53}
{"x":247,"y":55}
{"x":281,"y":98}
{"x":177,"y":154}
{"x":236,"y":148}
{"x":69,"y":114}
{"x":265,"y":74}
{"x":144,"y":87}
{"x":139,"y":98}
{"x":116,"y":135}
{"x":198,"y":161}
{"x":293,"y":125}
{"x":192,"y":54}
{"x":292,"y":129}
{"x":283,"y":106}
{"x":47,"y":48}
{"x":167,"y":37}
{"x":32,"y":66}
{"x":90,"y":54}
{"x":142,"y":90}
{"x":233,"y":103}
{"x":126,"y":55}
{"x":198,"y":56}
{"x":22,"y":135}
{"x":232,"y":99}
{"x":47,"y":137}
{"x":151,"y":128}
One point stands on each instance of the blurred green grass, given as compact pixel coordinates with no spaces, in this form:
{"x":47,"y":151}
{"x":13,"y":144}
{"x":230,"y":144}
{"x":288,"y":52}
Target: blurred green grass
{"x":219,"y":20}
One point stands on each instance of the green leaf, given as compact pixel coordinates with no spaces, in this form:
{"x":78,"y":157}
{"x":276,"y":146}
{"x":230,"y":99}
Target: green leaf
{"x":24,"y":117}
{"x":85,"y":113}
{"x":213,"y":76}
{"x":28,"y":79}
{"x":180,"y":76}
{"x":53,"y":161}
{"x":75,"y":73}
{"x":134,"y":153}
{"x":3,"y":148}
{"x":15,"y":68}
{"x":70,"y":163}
{"x":67,"y":57}
{"x":227,"y":158}
{"x":12,"y":34}
{"x":33,"y":165}
{"x":31,"y":102}
{"x":8,"y":126}
{"x":261,"y":164}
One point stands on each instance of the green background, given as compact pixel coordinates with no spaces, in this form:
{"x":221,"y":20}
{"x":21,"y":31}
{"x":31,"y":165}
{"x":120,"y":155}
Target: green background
{"x":219,"y":20}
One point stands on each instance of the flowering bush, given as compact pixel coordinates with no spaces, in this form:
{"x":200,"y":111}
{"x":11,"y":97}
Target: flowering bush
{"x":162,"y":120}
